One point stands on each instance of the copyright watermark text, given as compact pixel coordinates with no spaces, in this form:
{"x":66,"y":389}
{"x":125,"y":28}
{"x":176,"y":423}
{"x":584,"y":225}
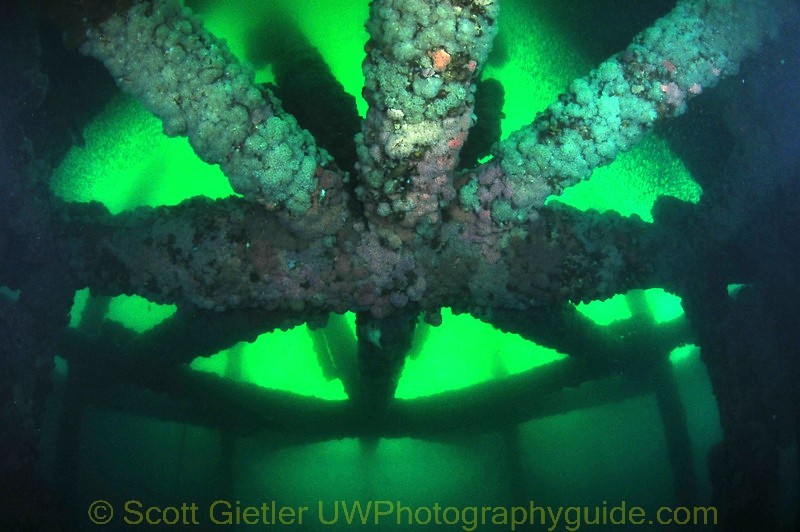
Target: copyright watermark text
{"x":385,"y":514}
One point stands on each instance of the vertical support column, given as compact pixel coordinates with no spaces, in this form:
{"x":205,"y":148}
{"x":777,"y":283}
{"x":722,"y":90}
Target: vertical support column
{"x":670,"y":407}
{"x":422,"y":58}
{"x":383,"y":344}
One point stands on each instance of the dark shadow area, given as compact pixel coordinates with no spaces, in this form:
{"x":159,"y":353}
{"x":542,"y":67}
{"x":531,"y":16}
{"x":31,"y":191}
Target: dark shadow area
{"x":306,"y":86}
{"x":742,"y":142}
{"x":600,"y":29}
{"x":489,"y":100}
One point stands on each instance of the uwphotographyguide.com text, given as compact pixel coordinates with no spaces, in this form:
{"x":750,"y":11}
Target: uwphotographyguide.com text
{"x":387,"y":514}
{"x":470,"y":518}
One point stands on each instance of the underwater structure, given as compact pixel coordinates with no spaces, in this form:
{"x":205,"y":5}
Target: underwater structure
{"x":394,"y":217}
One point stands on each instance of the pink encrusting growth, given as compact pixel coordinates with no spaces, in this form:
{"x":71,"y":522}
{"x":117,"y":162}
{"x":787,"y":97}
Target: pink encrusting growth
{"x":440,"y":59}
{"x":161,"y":53}
{"x":609,"y":111}
{"x":422,"y":59}
{"x":423,"y":236}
